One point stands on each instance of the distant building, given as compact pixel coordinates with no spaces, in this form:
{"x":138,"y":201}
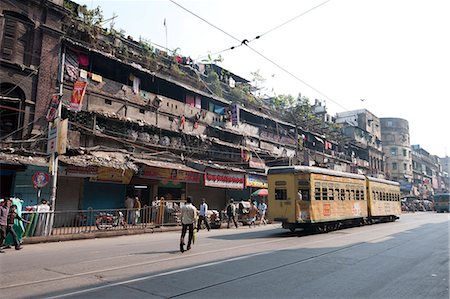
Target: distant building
{"x":426,"y":173}
{"x":397,"y":150}
{"x":363,"y":127}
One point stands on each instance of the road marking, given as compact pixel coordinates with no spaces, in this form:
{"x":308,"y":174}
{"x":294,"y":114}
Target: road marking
{"x":157,"y":275}
{"x":323,"y":238}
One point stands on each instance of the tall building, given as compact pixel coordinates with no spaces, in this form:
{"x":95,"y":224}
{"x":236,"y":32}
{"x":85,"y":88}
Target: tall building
{"x":397,"y":150}
{"x":363,"y":128}
{"x":426,"y":172}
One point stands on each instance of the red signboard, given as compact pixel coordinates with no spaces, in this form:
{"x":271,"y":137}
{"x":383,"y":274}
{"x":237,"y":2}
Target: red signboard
{"x":167,"y":174}
{"x":224,"y":179}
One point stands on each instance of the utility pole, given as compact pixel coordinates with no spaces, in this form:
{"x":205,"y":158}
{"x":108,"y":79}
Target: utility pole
{"x":54,"y":155}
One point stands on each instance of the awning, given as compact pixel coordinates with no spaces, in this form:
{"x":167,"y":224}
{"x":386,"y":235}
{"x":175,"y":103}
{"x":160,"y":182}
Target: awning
{"x":101,"y":159}
{"x":14,"y":159}
{"x":165,"y":164}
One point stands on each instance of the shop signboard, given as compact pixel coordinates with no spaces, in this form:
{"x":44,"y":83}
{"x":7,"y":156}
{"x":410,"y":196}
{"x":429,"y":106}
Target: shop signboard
{"x":256,"y":181}
{"x":256,"y":163}
{"x":79,"y":171}
{"x":167,"y":174}
{"x":113,"y":175}
{"x":224,"y":179}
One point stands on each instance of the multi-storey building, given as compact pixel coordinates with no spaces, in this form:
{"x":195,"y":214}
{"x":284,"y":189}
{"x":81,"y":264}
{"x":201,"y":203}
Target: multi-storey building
{"x":141,"y":121}
{"x":426,"y":173}
{"x":397,"y":150}
{"x":363,"y":129}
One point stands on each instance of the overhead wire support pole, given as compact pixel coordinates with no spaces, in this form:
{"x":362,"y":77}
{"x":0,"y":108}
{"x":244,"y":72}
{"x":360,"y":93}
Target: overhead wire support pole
{"x":54,"y":154}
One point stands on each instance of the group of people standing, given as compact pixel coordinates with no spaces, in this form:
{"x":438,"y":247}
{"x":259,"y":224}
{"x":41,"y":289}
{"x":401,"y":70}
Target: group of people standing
{"x":255,"y":212}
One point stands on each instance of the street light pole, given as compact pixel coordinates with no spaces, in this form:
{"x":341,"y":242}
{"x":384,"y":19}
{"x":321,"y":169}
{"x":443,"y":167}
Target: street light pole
{"x":54,"y":154}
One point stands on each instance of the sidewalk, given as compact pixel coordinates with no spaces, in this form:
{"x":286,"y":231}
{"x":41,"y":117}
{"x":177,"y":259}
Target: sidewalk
{"x":99,"y":234}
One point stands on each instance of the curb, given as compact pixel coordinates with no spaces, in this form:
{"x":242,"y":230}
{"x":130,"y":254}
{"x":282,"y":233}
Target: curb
{"x":98,"y":234}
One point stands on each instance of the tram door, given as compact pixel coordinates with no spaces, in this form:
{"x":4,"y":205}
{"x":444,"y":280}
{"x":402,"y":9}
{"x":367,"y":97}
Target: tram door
{"x":302,"y":205}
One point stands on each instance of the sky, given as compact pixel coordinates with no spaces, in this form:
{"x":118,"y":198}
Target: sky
{"x":391,"y":57}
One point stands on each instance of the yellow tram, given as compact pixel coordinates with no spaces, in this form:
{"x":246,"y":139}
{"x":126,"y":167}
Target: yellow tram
{"x":322,"y":199}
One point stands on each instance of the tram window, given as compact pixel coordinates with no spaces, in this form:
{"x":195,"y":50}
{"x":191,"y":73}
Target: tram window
{"x":336,"y":194}
{"x":317,"y":193}
{"x":347,"y":194}
{"x":352,"y":195}
{"x":324,"y":193}
{"x":280,"y":194}
{"x":342,"y":194}
{"x":304,"y":194}
{"x":330,"y":194}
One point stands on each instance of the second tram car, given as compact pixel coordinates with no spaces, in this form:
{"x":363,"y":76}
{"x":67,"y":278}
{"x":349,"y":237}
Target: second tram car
{"x":322,"y":199}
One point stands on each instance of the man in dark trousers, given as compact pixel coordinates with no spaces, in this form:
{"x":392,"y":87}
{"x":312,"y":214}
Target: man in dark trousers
{"x":13,"y":215}
{"x":203,"y":215}
{"x":4,"y":211}
{"x":188,"y":215}
{"x":231,"y":213}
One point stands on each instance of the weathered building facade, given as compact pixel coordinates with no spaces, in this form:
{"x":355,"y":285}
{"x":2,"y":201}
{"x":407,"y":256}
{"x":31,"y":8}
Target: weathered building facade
{"x":141,"y":121}
{"x":363,"y":128}
{"x":397,"y":150}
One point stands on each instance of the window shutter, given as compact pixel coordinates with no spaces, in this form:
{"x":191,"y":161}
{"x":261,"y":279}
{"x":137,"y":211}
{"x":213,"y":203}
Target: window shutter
{"x":9,"y":39}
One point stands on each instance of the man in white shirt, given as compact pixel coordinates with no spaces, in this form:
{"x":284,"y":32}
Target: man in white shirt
{"x":203,"y":215}
{"x":188,"y":215}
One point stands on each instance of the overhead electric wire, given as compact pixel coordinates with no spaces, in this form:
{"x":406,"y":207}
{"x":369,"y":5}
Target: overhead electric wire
{"x":245,"y":42}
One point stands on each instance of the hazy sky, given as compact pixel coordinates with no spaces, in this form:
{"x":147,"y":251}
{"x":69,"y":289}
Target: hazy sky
{"x":395,"y":54}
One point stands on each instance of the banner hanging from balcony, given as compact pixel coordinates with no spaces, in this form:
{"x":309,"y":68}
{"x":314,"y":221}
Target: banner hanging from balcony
{"x":79,"y":89}
{"x":224,"y":179}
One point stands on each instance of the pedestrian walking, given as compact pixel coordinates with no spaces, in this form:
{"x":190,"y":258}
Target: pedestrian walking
{"x":129,"y":204}
{"x":262,"y":208}
{"x":10,"y":226}
{"x":252,"y":212}
{"x":203,"y":215}
{"x":4,"y":212}
{"x":137,"y":210}
{"x":231,"y":213}
{"x":188,"y":215}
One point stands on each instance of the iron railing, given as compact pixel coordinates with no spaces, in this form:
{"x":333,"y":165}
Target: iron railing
{"x":89,"y":221}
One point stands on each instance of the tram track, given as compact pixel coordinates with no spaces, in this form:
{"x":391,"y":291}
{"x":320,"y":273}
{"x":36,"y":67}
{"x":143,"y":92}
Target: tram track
{"x":324,"y":238}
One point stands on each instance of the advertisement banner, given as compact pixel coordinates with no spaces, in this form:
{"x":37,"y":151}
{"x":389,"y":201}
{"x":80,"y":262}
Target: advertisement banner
{"x":166,"y":174}
{"x":224,"y":179}
{"x":79,"y":89}
{"x":256,"y":181}
{"x":257,"y":163}
{"x":62,"y":136}
{"x":51,"y":114}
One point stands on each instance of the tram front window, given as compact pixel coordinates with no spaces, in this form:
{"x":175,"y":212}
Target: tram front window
{"x":280,"y":194}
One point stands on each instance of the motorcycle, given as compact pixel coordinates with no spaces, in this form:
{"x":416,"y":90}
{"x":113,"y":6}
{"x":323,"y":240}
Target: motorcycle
{"x":107,"y":220}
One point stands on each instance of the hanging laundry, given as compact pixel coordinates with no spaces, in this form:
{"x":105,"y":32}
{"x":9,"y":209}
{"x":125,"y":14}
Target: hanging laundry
{"x":231,"y":82}
{"x":96,"y":78}
{"x":136,"y":84}
{"x":71,"y":65}
{"x":83,"y":74}
{"x":83,"y":59}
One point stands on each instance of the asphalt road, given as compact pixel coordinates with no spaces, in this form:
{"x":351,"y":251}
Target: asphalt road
{"x":405,"y":259}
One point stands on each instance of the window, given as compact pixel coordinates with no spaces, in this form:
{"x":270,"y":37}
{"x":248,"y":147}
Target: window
{"x":404,"y":153}
{"x":142,"y":111}
{"x":324,"y":193}
{"x":17,"y":39}
{"x":317,"y":193}
{"x":405,"y":166}
{"x":358,"y":195}
{"x":108,"y":102}
{"x":341,"y":194}
{"x":393,"y":151}
{"x":280,"y":194}
{"x":352,"y":195}
{"x":330,"y":194}
{"x":304,"y":193}
{"x":394,"y":166}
